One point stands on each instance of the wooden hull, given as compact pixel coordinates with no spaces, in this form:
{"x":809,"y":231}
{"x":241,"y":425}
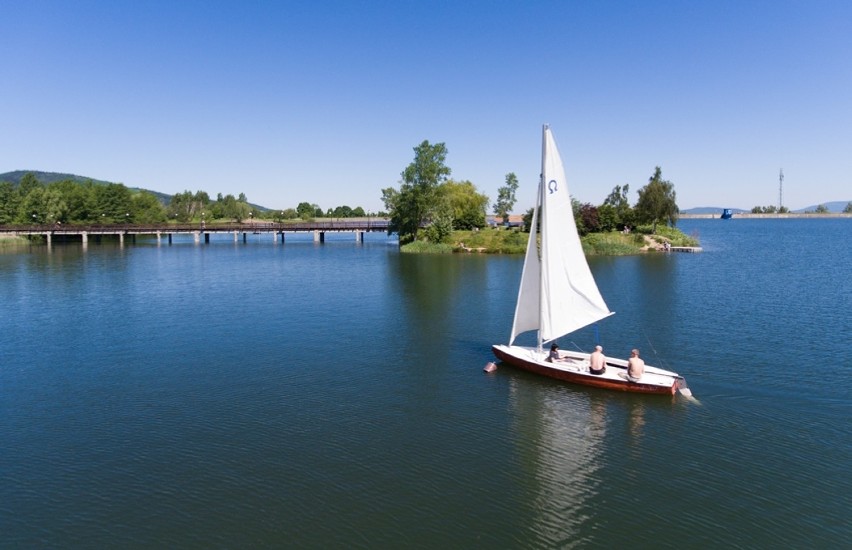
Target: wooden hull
{"x":575,"y":371}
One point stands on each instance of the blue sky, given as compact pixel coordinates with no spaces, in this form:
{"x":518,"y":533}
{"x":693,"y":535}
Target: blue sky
{"x":324,"y":102}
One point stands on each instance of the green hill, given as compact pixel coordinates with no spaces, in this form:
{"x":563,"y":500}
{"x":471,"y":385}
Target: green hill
{"x":46,"y":178}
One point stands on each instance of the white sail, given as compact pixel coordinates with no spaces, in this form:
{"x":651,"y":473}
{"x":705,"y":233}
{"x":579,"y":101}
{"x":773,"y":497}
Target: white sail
{"x":557,"y":286}
{"x":529,"y":295}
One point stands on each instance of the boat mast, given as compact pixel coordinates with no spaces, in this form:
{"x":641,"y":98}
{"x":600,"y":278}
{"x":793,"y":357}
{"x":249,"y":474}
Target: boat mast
{"x":541,"y":221}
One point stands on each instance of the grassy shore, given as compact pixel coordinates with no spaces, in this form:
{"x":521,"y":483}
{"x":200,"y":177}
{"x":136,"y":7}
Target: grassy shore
{"x":10,"y":241}
{"x":512,"y":241}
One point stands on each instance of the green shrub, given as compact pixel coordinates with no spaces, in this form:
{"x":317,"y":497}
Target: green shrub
{"x":425,"y":247}
{"x":675,"y":236}
{"x":611,"y":244}
{"x":6,"y":240}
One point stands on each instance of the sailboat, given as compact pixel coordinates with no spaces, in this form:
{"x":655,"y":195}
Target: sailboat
{"x":558,"y":295}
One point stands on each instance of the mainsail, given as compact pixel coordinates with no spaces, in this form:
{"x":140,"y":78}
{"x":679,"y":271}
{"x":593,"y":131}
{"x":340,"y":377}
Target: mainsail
{"x":558,"y":294}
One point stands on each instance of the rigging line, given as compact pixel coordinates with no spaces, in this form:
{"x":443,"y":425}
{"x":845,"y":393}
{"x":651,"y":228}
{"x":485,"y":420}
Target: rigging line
{"x":597,"y":339}
{"x":657,"y":359}
{"x":580,"y":349}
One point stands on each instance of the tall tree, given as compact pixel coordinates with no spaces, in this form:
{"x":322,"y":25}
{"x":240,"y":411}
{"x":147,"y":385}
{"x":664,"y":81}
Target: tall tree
{"x":506,"y":197}
{"x":466,"y":205}
{"x":657,"y":201}
{"x":10,"y":200}
{"x":342,"y":212}
{"x":231,"y":208}
{"x":147,"y":209}
{"x":528,"y":216}
{"x":28,"y":183}
{"x":187,"y":206}
{"x":80,"y":199}
{"x":417,"y":199}
{"x":590,"y":218}
{"x":615,"y":212}
{"x":180,"y":207}
{"x":306,"y":210}
{"x":113,"y":203}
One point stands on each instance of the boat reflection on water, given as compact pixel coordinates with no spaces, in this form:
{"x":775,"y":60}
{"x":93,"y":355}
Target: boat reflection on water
{"x":584,"y":458}
{"x":561,"y":433}
{"x":636,"y":420}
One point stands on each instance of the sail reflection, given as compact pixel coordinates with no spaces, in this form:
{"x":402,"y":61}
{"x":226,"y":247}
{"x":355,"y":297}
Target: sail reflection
{"x":562,"y":436}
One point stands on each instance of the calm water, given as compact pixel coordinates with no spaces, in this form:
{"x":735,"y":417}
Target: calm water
{"x":332,"y":396}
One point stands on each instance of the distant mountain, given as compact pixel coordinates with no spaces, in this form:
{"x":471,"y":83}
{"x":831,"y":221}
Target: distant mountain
{"x":710,"y":210}
{"x":834,"y":206}
{"x":47,"y":178}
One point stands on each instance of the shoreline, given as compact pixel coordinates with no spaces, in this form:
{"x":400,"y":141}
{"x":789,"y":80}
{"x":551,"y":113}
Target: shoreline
{"x":810,"y":215}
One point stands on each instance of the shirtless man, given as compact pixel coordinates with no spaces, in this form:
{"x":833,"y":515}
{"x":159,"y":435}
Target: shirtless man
{"x":597,"y":361}
{"x":635,"y":366}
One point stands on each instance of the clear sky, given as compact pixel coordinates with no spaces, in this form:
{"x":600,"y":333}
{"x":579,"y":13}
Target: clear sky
{"x":324,"y":101}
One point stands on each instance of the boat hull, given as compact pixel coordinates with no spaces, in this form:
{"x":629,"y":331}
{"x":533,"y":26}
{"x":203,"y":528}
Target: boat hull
{"x":575,"y":371}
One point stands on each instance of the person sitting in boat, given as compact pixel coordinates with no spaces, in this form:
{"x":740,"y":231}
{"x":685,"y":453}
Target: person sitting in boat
{"x":554,"y":353}
{"x":635,"y":366}
{"x":597,"y":361}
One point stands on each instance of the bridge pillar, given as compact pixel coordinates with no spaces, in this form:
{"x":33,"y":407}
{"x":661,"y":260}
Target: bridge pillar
{"x":207,"y":238}
{"x":282,"y":237}
{"x":170,"y":238}
{"x":121,"y":239}
{"x":159,"y":236}
{"x":236,"y":235}
{"x":49,"y":241}
{"x":359,"y":236}
{"x":197,"y":236}
{"x":245,"y":238}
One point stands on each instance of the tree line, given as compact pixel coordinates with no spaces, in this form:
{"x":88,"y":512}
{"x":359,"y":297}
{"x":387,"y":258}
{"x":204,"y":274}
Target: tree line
{"x":820,"y":209}
{"x":428,"y":205}
{"x":72,"y":202}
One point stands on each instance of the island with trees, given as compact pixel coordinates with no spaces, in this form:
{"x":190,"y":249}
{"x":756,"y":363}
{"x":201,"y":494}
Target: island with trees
{"x":433,"y":213}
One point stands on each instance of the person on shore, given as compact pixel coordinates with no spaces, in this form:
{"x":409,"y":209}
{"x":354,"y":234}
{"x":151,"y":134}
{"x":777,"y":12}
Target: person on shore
{"x":597,"y":361}
{"x":635,"y":366}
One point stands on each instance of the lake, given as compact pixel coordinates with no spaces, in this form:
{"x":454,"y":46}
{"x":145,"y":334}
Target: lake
{"x":332,"y":395}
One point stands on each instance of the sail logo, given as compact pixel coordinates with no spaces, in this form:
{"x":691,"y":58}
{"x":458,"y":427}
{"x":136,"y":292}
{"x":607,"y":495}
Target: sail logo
{"x":552,"y":186}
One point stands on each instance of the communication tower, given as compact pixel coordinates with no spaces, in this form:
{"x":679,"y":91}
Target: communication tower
{"x":780,"y":189}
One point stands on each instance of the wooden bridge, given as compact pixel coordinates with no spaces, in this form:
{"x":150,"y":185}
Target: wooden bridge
{"x":198,"y":230}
